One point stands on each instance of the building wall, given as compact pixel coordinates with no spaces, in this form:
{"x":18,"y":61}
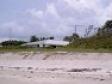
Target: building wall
{"x":48,"y":43}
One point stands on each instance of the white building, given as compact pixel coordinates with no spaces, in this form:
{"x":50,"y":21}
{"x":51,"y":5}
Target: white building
{"x":46,"y":43}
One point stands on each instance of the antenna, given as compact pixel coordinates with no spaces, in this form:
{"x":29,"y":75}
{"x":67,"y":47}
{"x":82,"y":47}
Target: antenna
{"x":75,"y":29}
{"x":74,"y":26}
{"x":88,"y":30}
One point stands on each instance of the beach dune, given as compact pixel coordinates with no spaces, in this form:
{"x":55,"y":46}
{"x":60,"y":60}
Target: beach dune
{"x":55,"y":68}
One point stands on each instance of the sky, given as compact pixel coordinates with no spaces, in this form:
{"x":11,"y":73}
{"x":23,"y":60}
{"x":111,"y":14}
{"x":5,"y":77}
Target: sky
{"x":20,"y":19}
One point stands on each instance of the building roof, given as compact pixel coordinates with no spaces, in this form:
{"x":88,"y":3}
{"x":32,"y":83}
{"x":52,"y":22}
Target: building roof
{"x":48,"y":42}
{"x":54,"y":42}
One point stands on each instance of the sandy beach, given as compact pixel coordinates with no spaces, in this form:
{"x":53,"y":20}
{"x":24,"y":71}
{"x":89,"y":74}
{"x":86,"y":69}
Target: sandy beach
{"x":55,"y":68}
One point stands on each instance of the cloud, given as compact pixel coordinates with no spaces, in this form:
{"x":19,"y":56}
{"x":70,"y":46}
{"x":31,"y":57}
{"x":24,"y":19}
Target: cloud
{"x":51,"y":9}
{"x":58,"y":17}
{"x":107,"y":13}
{"x":13,"y":27}
{"x":35,"y":13}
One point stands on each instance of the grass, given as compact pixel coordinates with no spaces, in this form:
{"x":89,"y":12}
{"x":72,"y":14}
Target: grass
{"x":66,"y":49}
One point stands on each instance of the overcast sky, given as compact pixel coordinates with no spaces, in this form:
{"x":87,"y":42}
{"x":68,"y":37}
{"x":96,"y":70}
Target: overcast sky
{"x":22,"y":18}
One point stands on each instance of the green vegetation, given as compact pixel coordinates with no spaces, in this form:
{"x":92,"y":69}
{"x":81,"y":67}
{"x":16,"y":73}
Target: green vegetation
{"x":66,"y":49}
{"x":100,"y":42}
{"x":72,"y":38}
{"x":34,"y":38}
{"x":12,"y":43}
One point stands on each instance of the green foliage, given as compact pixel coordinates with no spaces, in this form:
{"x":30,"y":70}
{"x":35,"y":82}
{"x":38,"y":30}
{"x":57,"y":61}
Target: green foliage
{"x":46,"y":38}
{"x":51,"y":38}
{"x":103,"y":39}
{"x":71,"y":38}
{"x":106,"y":30}
{"x":12,"y":43}
{"x":34,"y":39}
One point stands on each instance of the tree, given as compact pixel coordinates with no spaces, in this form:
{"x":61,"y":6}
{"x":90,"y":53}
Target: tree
{"x":75,"y":36}
{"x":106,"y":30}
{"x":51,"y":38}
{"x":12,"y":43}
{"x":108,"y":25}
{"x":34,"y":39}
{"x":71,"y":38}
{"x":67,"y":38}
{"x":42,"y":38}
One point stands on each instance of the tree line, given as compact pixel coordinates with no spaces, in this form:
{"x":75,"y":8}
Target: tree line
{"x":34,"y":38}
{"x":102,"y":39}
{"x":16,"y":43}
{"x":12,"y":43}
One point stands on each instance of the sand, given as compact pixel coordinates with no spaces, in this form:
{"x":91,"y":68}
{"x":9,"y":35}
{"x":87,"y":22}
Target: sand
{"x":55,"y":68}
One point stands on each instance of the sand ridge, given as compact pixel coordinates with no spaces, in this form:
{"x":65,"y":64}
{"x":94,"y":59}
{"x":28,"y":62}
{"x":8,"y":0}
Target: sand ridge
{"x":55,"y":68}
